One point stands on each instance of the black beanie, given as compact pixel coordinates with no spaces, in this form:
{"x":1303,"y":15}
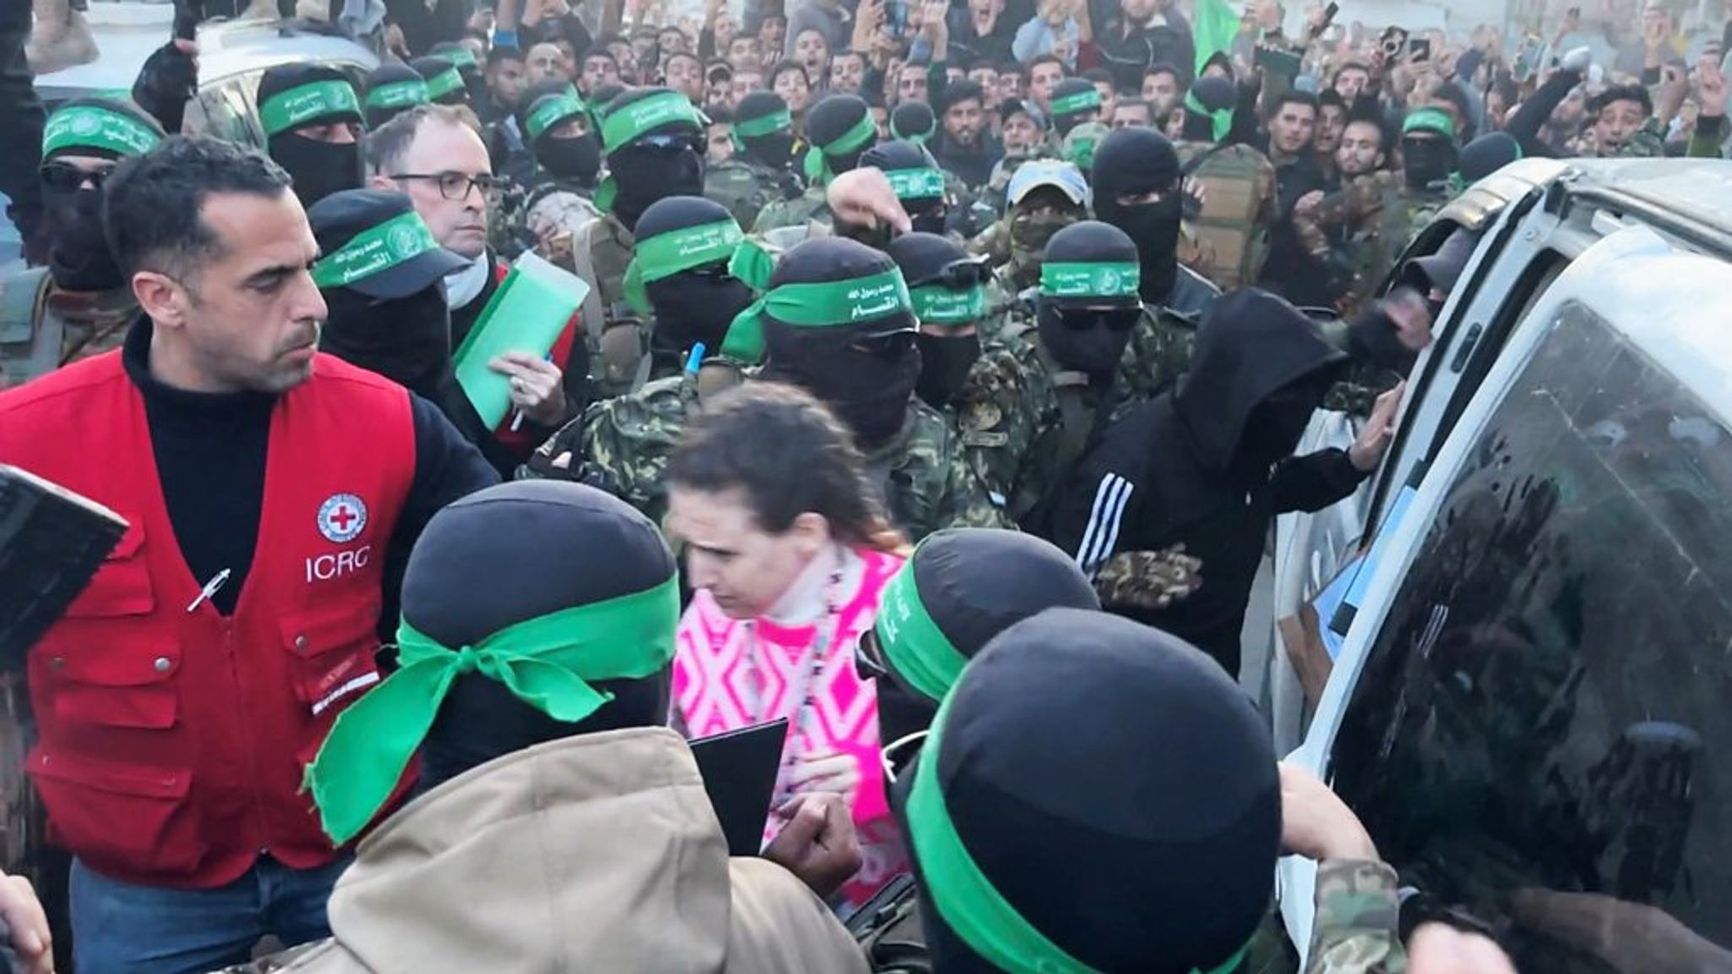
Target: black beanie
{"x":678,"y":213}
{"x":913,"y":120}
{"x":514,"y":552}
{"x":73,"y":146}
{"x":830,"y":120}
{"x":1145,"y":777}
{"x":1090,"y":242}
{"x":759,"y":104}
{"x":431,"y":67}
{"x":388,"y":74}
{"x":1132,"y":160}
{"x":285,"y":77}
{"x":1068,"y":87}
{"x":898,"y":156}
{"x":533,"y":94}
{"x":922,"y":256}
{"x":1486,"y":155}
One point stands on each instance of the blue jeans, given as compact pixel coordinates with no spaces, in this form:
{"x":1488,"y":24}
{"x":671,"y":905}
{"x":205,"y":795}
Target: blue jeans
{"x":119,"y":928}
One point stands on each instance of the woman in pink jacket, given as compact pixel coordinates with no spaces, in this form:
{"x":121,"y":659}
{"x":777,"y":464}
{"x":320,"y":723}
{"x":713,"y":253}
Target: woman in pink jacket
{"x":788,"y":550}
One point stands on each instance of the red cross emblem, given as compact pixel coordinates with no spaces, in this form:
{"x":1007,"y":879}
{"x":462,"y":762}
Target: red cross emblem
{"x":342,"y":518}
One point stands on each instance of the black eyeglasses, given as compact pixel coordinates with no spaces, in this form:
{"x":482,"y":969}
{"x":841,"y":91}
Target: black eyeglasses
{"x":960,"y":274}
{"x":869,"y":662}
{"x":65,"y":177}
{"x":455,"y":185}
{"x":890,"y":346}
{"x":1116,"y":319}
{"x":669,"y":143}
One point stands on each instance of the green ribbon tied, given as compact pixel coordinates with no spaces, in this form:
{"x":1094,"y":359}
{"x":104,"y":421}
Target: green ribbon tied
{"x":1090,"y":280}
{"x":547,"y":662}
{"x":399,"y":239}
{"x":830,"y":304}
{"x":444,"y":83}
{"x":626,"y":124}
{"x":298,"y":106}
{"x":818,"y":157}
{"x":920,"y":653}
{"x":552,"y":112}
{"x":935,"y":304}
{"x":398,"y":94}
{"x":916,"y":184}
{"x":1077,"y":103}
{"x":94,"y":127}
{"x":777,"y":121}
{"x":667,"y":254}
{"x":460,"y":56}
{"x":963,"y":895}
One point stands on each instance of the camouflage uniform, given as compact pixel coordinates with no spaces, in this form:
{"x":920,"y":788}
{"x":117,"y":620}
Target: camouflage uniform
{"x":1228,"y":240}
{"x":43,"y":327}
{"x":1379,"y":215}
{"x":507,"y":206}
{"x":785,"y":223}
{"x":746,"y":186}
{"x":926,"y":479}
{"x":1648,"y":142}
{"x":618,"y":336}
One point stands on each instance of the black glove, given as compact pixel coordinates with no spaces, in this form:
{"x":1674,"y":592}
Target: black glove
{"x":168,"y":80}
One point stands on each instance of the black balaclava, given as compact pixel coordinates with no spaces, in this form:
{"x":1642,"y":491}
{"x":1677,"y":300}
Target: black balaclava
{"x":644,"y":173}
{"x":541,"y":111}
{"x":318,"y":168}
{"x":1133,"y":161}
{"x":1427,"y":160}
{"x":1078,"y":91}
{"x":695,"y":305}
{"x":774,"y":149}
{"x":1259,"y":369}
{"x":1486,"y":155}
{"x":1159,"y":866}
{"x":944,"y":359}
{"x":916,"y":178}
{"x":78,"y":254}
{"x":1087,"y":333}
{"x":526,"y":531}
{"x":863,"y":370}
{"x":407,"y":340}
{"x":973,"y":583}
{"x":829,"y":122}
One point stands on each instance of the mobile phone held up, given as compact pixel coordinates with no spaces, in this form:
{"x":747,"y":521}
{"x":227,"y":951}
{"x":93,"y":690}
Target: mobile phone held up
{"x":1394,"y":39}
{"x":1419,"y":49}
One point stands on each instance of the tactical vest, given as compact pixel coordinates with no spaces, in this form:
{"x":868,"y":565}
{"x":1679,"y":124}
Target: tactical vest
{"x":619,"y":347}
{"x":1230,"y":235}
{"x":172,"y":738}
{"x":40,"y":331}
{"x":746,"y":187}
{"x":889,"y":930}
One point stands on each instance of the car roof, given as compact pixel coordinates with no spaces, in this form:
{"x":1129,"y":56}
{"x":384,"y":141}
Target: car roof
{"x":126,"y":33}
{"x":1690,"y":198}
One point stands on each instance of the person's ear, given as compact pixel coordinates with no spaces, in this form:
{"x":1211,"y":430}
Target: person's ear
{"x":161,"y":297}
{"x":810,"y":533}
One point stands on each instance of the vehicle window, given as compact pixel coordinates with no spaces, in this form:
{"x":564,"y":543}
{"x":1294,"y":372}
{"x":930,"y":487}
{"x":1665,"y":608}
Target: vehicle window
{"x":1540,"y":733}
{"x":224,"y":111}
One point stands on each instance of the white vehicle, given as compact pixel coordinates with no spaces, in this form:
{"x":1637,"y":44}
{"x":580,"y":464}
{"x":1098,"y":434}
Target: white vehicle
{"x":1524,"y":664}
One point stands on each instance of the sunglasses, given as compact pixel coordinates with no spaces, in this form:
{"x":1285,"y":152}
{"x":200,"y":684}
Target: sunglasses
{"x":959,"y":275}
{"x":669,"y":143}
{"x":65,"y":177}
{"x":869,"y":661}
{"x":889,"y":347}
{"x":1115,"y":319}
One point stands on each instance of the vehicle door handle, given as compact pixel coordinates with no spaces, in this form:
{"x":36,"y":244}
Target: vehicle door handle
{"x":1465,"y":352}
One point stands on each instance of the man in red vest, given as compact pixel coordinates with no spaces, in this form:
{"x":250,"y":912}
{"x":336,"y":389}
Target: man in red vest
{"x":272,"y":494}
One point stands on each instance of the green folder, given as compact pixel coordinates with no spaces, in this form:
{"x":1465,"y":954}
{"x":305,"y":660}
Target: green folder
{"x":526,"y":314}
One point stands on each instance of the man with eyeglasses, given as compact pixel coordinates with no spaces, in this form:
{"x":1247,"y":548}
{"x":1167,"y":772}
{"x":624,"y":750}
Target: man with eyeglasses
{"x":312,"y":120}
{"x":433,"y":154}
{"x":78,"y":304}
{"x":272,"y":495}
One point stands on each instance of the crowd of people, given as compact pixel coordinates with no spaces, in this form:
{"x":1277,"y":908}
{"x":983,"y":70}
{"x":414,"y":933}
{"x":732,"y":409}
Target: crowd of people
{"x":939,"y":374}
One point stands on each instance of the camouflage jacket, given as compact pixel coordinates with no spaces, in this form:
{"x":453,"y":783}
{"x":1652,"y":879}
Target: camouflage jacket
{"x":1229,"y":238}
{"x":1375,"y":216}
{"x":507,"y":207}
{"x":746,"y":186}
{"x":618,"y":336}
{"x":556,"y":208}
{"x":926,"y":479}
{"x":43,"y":327}
{"x":1007,"y":412}
{"x":804,"y":212}
{"x":1355,"y":928}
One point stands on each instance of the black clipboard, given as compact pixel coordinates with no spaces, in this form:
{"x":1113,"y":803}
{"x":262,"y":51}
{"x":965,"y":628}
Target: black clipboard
{"x":739,"y":771}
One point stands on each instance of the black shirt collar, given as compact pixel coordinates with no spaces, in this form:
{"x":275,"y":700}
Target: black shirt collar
{"x":135,"y":358}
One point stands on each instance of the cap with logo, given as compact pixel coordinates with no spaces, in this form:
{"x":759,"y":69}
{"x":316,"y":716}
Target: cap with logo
{"x":1062,"y":176}
{"x":374,"y":242}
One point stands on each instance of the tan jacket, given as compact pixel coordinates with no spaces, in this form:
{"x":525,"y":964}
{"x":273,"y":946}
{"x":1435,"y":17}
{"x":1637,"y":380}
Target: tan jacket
{"x":589,"y":854}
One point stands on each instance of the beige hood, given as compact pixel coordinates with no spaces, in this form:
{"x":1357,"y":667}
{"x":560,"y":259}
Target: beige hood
{"x":593,"y":853}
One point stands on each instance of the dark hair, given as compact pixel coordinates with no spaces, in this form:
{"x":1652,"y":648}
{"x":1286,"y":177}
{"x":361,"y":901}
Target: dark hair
{"x":1130,"y":102}
{"x":720,"y":115}
{"x":150,"y":212}
{"x":753,"y":38}
{"x":847,"y":52}
{"x":1161,"y":68}
{"x":1617,"y":93}
{"x":672,"y":27}
{"x":789,"y":455}
{"x":1352,"y":66}
{"x":769,"y":17}
{"x":958,"y":92}
{"x":386,"y":144}
{"x":1327,"y":98}
{"x":783,"y":67}
{"x":1028,"y":69}
{"x":1095,"y":75}
{"x":1383,"y":139}
{"x":599,"y":51}
{"x":503,"y":53}
{"x":690,"y":57}
{"x":1293,"y":96}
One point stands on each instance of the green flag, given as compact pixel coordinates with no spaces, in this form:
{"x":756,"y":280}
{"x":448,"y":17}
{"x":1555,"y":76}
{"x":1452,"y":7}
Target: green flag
{"x":1215,"y":28}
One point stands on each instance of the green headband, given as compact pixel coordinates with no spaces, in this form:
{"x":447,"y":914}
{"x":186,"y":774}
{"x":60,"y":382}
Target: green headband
{"x":1081,"y":101}
{"x":963,"y":895}
{"x":777,"y":121}
{"x":96,"y":127}
{"x":546,"y":662}
{"x":921,"y":654}
{"x":398,"y":94}
{"x":667,"y":254}
{"x":916,"y":184}
{"x":818,"y":157}
{"x":830,"y":304}
{"x":296,"y":107}
{"x":552,"y":112}
{"x":1429,"y":120}
{"x":625,"y":124}
{"x":397,"y":240}
{"x":1104,"y":280}
{"x":460,"y":56}
{"x":935,"y":304}
{"x":918,"y":138}
{"x":444,"y":83}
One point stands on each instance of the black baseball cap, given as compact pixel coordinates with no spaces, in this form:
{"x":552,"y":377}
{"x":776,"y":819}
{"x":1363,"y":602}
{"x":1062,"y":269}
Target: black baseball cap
{"x":373,"y":241}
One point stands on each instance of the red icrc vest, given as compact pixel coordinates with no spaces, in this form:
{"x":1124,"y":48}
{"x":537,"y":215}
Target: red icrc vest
{"x":172,"y":739}
{"x":521,"y":442}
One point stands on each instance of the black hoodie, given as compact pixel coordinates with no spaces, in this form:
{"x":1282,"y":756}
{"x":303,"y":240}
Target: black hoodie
{"x":1197,"y":466}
